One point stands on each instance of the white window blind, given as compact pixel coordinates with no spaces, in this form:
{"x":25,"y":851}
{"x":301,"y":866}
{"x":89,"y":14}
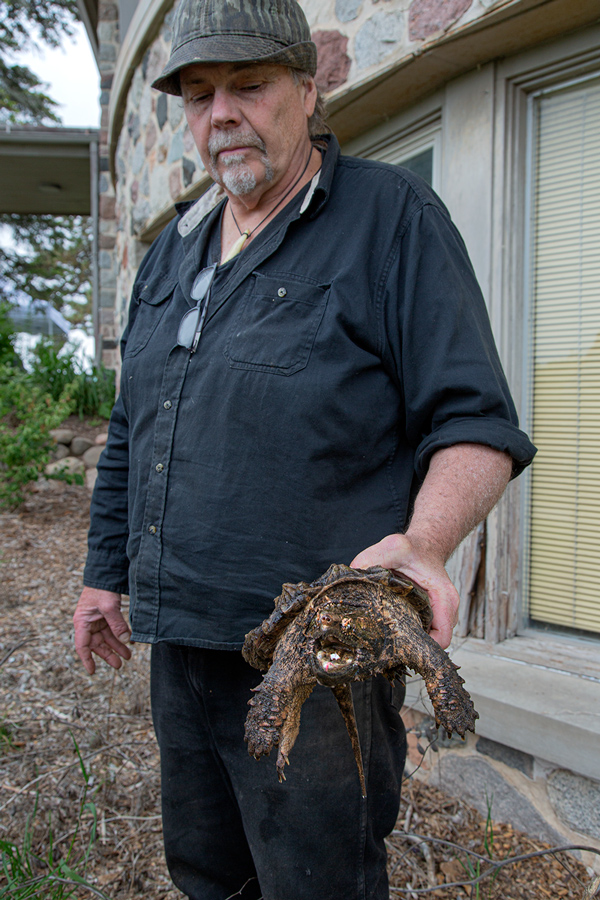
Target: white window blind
{"x":564,"y":552}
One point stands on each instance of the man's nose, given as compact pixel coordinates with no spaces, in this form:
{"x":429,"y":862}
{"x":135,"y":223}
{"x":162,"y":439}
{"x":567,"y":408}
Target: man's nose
{"x":224,"y":110}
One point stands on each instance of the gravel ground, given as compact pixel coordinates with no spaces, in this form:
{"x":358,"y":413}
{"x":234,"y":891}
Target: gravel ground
{"x":60,"y":729}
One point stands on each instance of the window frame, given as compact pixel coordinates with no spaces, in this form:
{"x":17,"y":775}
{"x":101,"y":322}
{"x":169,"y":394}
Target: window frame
{"x":518,"y":81}
{"x":410,"y":135}
{"x":526,"y":627}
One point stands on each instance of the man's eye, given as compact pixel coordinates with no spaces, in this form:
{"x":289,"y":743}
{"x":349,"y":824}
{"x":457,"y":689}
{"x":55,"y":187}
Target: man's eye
{"x":197,"y":98}
{"x":252,"y":87}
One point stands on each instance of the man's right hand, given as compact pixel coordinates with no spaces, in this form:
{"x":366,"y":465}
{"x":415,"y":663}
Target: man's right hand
{"x":101,"y":629}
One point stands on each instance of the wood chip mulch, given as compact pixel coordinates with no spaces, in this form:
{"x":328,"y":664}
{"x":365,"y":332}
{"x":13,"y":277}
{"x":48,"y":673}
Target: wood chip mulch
{"x":59,"y":727}
{"x":417,"y":866}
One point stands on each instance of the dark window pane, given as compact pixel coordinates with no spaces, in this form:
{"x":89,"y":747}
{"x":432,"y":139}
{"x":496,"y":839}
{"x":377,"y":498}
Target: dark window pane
{"x":421,"y":164}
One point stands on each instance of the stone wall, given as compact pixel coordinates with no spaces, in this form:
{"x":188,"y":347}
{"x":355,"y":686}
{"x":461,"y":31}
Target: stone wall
{"x":109,"y":327}
{"x":548,"y":803}
{"x":156,"y":160}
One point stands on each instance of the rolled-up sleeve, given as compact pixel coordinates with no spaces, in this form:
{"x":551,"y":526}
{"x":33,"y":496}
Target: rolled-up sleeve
{"x":438,"y":342}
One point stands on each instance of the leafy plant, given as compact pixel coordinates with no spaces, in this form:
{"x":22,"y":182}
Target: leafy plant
{"x":33,"y":403}
{"x":59,"y":372}
{"x":64,"y":876}
{"x":93,"y":393}
{"x":27,"y":415}
{"x":8,"y":355}
{"x":51,"y":370}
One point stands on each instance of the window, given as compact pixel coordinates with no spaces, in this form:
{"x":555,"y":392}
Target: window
{"x":564,"y":291}
{"x":416,"y":148}
{"x":419,"y":161}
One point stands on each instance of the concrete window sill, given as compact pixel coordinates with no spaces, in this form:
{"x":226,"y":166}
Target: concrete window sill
{"x":537,"y":695}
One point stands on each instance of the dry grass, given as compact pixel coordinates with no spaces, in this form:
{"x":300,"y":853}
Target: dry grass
{"x":418,"y":866}
{"x":48,"y":701}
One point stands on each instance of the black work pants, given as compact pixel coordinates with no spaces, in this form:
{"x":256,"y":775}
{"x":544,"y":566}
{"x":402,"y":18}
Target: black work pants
{"x":230,"y":828}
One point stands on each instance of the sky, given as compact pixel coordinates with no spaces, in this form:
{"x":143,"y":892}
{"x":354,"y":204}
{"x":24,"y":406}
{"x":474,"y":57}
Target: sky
{"x":73,"y":79}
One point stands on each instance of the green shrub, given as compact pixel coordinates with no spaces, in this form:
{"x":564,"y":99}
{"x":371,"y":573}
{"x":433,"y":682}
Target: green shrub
{"x":58,"y":372}
{"x":93,"y":393}
{"x":51,"y":370}
{"x":33,"y":403}
{"x":27,"y":415}
{"x":8,"y":355}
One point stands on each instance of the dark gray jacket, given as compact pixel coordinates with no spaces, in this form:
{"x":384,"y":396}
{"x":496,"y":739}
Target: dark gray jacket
{"x":343,"y":347}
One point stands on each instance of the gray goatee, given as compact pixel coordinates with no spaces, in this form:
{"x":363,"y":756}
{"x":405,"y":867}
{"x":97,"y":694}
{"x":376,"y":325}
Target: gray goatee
{"x":238,"y":178}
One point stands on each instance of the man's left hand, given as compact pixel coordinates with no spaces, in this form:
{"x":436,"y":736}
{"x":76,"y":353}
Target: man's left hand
{"x":400,"y":552}
{"x":462,"y":485}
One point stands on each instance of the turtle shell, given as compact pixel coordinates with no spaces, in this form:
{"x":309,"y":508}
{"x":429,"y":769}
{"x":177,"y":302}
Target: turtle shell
{"x":396,"y":581}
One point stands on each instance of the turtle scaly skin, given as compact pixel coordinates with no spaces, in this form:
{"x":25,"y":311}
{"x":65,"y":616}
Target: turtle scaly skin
{"x":348,"y":625}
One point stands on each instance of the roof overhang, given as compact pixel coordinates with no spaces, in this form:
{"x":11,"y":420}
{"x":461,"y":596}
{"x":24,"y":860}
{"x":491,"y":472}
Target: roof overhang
{"x":88,"y":13}
{"x":508,"y":28}
{"x":47,"y":170}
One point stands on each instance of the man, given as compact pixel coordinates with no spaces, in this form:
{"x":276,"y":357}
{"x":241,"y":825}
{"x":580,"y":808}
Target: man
{"x":308,"y":377}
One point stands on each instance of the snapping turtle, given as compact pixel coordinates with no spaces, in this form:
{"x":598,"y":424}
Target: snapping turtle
{"x":348,"y":625}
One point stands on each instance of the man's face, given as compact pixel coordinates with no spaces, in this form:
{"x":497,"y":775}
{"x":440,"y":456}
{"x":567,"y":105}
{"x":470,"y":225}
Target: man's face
{"x":249,"y":122}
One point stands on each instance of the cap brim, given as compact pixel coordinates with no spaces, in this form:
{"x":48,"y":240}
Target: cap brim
{"x":224,"y":48}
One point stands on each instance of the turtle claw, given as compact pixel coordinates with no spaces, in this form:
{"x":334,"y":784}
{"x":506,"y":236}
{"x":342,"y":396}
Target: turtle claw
{"x":282,"y":761}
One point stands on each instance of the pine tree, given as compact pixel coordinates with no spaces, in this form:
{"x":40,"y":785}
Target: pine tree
{"x":45,"y":257}
{"x":23,"y":23}
{"x":49,"y":258}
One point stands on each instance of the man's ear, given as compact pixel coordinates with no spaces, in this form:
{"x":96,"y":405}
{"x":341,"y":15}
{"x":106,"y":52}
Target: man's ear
{"x":310,"y":96}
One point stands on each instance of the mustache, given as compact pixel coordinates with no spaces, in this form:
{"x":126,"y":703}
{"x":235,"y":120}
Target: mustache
{"x":223,"y":140}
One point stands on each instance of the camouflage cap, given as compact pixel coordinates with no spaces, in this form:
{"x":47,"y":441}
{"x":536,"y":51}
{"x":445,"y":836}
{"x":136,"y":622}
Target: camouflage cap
{"x":213,"y":31}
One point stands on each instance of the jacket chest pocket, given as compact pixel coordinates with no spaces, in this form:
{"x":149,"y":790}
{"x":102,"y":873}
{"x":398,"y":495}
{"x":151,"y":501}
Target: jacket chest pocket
{"x":152,"y":304}
{"x":276,"y":325}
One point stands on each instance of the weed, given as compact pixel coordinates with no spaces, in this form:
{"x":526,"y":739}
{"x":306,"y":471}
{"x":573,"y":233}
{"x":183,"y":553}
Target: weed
{"x":27,"y":414}
{"x":54,"y":877}
{"x":6,"y":736}
{"x":474,"y":869}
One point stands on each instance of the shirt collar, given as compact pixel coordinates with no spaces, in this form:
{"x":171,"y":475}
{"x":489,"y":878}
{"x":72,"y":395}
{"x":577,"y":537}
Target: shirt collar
{"x":320,"y":187}
{"x":192,"y":213}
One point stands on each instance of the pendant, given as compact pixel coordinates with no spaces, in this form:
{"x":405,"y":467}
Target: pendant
{"x":237,"y":247}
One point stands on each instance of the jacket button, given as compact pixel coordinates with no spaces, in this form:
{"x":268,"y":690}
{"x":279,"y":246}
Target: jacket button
{"x":281,"y":292}
{"x":152,"y":529}
{"x":167,"y":404}
{"x":159,"y":467}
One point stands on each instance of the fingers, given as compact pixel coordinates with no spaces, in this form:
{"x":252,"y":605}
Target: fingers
{"x":100,"y":629}
{"x":104,"y":644}
{"x":399,"y":552}
{"x":85,"y":655}
{"x":442,"y":625}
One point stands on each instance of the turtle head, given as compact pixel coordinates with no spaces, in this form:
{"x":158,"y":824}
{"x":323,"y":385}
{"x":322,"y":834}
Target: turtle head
{"x":346,"y":639}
